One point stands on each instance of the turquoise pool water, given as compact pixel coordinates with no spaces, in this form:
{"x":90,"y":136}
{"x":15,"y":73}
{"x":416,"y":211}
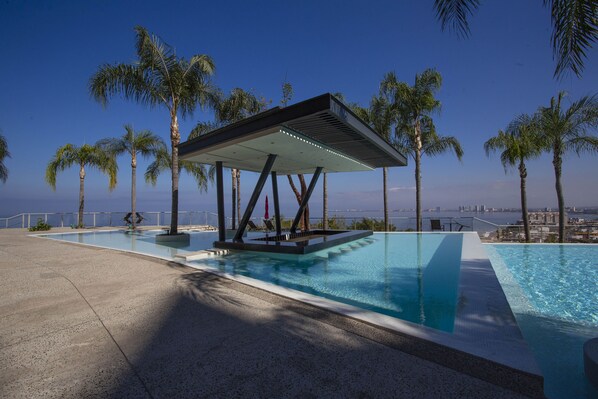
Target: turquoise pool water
{"x":553,"y":291}
{"x":414,"y":277}
{"x":142,"y":242}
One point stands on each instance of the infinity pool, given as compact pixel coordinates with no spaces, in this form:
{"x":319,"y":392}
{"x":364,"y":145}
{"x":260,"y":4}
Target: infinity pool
{"x":553,"y":291}
{"x":414,"y":277}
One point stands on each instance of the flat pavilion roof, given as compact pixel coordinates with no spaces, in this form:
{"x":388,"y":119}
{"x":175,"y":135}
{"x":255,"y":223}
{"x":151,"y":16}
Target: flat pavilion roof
{"x":319,"y":132}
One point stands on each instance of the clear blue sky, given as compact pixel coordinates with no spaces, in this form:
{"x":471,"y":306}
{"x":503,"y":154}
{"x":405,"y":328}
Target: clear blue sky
{"x":50,"y":50}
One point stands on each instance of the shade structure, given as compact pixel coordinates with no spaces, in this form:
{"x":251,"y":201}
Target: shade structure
{"x":319,"y":132}
{"x":312,"y":137}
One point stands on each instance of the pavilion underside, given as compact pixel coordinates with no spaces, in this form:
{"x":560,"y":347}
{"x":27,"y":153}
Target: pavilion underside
{"x":311,"y":137}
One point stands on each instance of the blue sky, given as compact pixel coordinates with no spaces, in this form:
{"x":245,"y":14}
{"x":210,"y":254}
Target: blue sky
{"x":50,"y":50}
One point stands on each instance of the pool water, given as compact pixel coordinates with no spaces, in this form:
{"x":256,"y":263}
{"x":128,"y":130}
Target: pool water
{"x":413,"y":277}
{"x":141,"y":242}
{"x":553,"y":292}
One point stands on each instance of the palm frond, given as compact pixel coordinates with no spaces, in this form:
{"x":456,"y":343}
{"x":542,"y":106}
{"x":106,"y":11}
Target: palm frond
{"x":4,"y":153}
{"x":198,"y":171}
{"x":443,"y":144}
{"x":202,"y":128}
{"x":238,"y":105}
{"x":581,"y":144}
{"x":453,"y":14}
{"x":64,"y":158}
{"x":574,"y":29}
{"x":162,"y":162}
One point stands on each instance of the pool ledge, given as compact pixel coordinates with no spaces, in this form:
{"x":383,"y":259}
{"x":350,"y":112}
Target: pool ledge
{"x":486,"y":342}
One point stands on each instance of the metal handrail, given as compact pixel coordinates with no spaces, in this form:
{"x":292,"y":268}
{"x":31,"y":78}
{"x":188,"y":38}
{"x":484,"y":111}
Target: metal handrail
{"x":104,"y":219}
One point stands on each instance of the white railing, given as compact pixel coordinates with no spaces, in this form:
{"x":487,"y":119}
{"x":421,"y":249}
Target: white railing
{"x":107,"y":219}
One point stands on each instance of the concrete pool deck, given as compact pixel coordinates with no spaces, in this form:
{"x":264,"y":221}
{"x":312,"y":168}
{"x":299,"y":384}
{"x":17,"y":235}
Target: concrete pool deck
{"x":88,"y":322}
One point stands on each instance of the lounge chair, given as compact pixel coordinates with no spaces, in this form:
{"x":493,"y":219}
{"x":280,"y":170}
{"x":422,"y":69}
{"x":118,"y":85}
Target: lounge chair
{"x":462,"y":226}
{"x":252,"y":225}
{"x":436,"y":225}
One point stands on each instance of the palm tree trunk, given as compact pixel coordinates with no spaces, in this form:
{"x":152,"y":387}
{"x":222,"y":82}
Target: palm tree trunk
{"x":385,"y":195}
{"x":418,"y":156}
{"x":175,"y":138}
{"x":305,"y":224}
{"x":133,"y":192}
{"x":325,"y":206}
{"x":233,"y":173}
{"x":524,"y":216}
{"x":557,"y":162}
{"x":418,"y":202}
{"x":298,"y":197}
{"x":238,"y":194}
{"x":81,"y":195}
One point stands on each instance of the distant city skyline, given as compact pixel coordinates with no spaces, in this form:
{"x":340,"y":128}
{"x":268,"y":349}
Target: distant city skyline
{"x":504,"y":69}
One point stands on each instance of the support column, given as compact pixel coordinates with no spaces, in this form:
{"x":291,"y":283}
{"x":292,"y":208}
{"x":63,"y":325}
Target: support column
{"x":220,"y":200}
{"x":305,"y":200}
{"x":254,"y":197}
{"x":276,"y":207}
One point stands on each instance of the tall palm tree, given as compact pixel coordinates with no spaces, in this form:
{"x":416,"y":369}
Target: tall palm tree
{"x":160,"y":78}
{"x":381,"y":116}
{"x":519,"y":143}
{"x":563,"y":130}
{"x":144,"y":143}
{"x":87,"y":155}
{"x":3,"y":154}
{"x":415,"y":131}
{"x":574,"y":28}
{"x":163,"y":161}
{"x":239,"y":105}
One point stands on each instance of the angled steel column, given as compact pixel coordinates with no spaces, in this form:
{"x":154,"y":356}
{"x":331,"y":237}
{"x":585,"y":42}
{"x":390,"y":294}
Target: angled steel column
{"x":276,"y":207}
{"x":220,"y":199}
{"x":254,"y":197}
{"x":304,"y":200}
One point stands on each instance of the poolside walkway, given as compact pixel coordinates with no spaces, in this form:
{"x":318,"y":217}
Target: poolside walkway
{"x":86,"y":322}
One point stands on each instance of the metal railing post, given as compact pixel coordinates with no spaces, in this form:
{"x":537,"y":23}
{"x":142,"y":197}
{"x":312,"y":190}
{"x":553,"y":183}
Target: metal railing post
{"x":94,"y":219}
{"x":28,"y":220}
{"x":62,"y":220}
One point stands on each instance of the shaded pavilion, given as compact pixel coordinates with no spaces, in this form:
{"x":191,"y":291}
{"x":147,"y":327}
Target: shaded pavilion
{"x":317,"y":135}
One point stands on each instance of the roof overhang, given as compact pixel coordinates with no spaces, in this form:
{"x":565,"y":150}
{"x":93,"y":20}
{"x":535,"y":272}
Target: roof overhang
{"x":320,"y":132}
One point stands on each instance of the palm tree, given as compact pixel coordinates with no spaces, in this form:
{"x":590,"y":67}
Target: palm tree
{"x":563,"y":130}
{"x":381,"y":116}
{"x":415,"y":131}
{"x":574,"y":28}
{"x":518,"y":144}
{"x":163,"y":161}
{"x":239,"y":105}
{"x":160,"y":78}
{"x":85,"y":156}
{"x":3,"y":154}
{"x":144,"y":143}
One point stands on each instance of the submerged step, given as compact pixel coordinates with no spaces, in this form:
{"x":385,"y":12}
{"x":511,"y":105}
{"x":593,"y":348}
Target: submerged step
{"x":205,"y":253}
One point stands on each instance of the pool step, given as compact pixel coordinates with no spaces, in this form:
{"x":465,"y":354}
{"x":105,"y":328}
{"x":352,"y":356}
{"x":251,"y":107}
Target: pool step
{"x":206,"y":253}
